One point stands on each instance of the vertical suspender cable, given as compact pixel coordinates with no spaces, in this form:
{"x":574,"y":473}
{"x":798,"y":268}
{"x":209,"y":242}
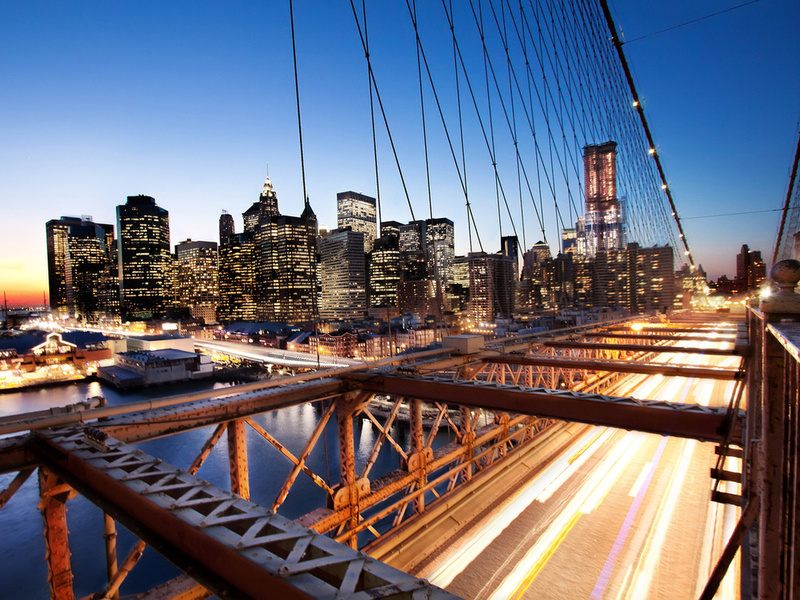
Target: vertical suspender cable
{"x":372,"y":117}
{"x":297,"y":97}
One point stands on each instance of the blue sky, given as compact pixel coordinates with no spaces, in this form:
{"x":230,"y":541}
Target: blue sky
{"x":189,"y":102}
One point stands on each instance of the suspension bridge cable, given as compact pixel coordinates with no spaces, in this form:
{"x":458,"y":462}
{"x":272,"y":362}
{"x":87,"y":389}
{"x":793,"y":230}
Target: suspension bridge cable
{"x":422,"y":111}
{"x":297,"y":97}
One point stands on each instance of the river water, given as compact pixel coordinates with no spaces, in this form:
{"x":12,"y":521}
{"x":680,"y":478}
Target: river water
{"x":23,"y":571}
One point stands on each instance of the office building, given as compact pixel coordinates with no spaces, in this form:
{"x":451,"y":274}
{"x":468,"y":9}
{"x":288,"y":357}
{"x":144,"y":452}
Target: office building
{"x":144,"y":258}
{"x":357,"y":211}
{"x":195,"y":276}
{"x":384,"y":272}
{"x":237,"y":280}
{"x":751,"y":273}
{"x":79,"y":251}
{"x":227,"y":226}
{"x":492,"y":287}
{"x":343,"y":295}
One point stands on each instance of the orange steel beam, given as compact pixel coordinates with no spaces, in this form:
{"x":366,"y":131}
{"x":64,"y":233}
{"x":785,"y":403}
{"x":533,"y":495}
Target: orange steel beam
{"x":644,"y":348}
{"x":665,"y":418}
{"x":618,"y":366}
{"x":53,"y":506}
{"x":237,"y":458}
{"x":663,"y":336}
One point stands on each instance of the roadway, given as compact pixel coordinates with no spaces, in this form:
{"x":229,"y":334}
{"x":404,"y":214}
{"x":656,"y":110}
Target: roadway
{"x":274,"y":356}
{"x":619,"y":514}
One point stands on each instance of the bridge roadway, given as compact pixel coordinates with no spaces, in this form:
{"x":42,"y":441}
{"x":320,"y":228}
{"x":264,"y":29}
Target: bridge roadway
{"x":618,"y":514}
{"x":680,"y":418}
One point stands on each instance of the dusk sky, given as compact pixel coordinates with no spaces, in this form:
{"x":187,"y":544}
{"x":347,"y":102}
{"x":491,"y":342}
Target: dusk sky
{"x":192,"y":102}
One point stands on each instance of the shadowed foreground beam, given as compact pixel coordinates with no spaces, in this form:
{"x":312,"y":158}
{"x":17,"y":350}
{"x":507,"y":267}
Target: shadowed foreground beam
{"x":653,"y":416}
{"x":616,"y":366}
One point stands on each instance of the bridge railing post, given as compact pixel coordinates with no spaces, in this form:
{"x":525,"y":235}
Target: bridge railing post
{"x":775,"y":460}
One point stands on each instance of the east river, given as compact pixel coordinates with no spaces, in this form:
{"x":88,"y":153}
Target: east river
{"x":23,"y":571}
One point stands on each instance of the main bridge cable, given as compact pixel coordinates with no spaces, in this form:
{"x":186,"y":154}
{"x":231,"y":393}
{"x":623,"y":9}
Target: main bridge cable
{"x":788,"y":201}
{"x":640,"y":110}
{"x":648,"y":178}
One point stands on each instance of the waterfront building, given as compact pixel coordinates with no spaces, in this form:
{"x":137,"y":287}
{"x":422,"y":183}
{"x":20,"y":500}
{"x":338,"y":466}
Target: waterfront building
{"x":144,"y":258}
{"x":195,"y":276}
{"x":604,"y":222}
{"x":79,"y":251}
{"x":343,"y":273}
{"x":141,"y":368}
{"x":357,"y":211}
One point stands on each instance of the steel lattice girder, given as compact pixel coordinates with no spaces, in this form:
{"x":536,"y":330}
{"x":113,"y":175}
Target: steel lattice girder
{"x":666,"y":418}
{"x":620,"y":366}
{"x":239,"y":548}
{"x":154,"y":423}
{"x":645,"y":348}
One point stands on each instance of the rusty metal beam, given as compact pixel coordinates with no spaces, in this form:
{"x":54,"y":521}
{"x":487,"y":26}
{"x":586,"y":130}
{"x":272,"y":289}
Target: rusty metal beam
{"x":233,"y":547}
{"x":237,"y":459}
{"x":54,"y":494}
{"x":665,"y":418}
{"x":15,"y":484}
{"x":621,"y":366}
{"x":165,"y":421}
{"x":644,"y":348}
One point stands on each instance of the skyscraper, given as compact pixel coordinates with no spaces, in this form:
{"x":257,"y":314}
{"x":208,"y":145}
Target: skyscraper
{"x":237,"y":279}
{"x":195,"y":276}
{"x":227,"y":226}
{"x":750,"y":269}
{"x":144,"y":258}
{"x":285,"y":250}
{"x":344,"y":284}
{"x":78,"y":254}
{"x":603,"y":219}
{"x":384,"y":272}
{"x":357,"y":211}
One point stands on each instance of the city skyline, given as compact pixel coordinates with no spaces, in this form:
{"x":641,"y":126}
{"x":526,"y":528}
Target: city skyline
{"x":196,"y":131}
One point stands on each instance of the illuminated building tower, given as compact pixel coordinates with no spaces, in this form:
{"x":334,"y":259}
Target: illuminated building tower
{"x":439,"y":235}
{"x":286,"y":262}
{"x":750,"y":270}
{"x":357,"y":211}
{"x":144,"y":258}
{"x":639,"y":279}
{"x":344,"y":285}
{"x":227,"y":227}
{"x":603,"y":219}
{"x":384,"y":272}
{"x":416,"y":292}
{"x":78,"y":253}
{"x":569,"y":242}
{"x":237,"y":298}
{"x":195,"y":278}
{"x":491,"y":286}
